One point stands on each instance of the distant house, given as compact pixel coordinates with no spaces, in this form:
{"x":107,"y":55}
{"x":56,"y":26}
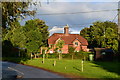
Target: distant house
{"x":74,"y":40}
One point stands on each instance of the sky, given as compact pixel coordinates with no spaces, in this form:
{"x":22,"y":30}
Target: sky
{"x":62,"y":10}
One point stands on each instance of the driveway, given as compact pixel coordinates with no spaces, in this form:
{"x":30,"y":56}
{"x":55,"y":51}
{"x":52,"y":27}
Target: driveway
{"x":10,"y":70}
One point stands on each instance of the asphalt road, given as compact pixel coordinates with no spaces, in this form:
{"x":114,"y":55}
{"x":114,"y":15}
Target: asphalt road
{"x":10,"y":70}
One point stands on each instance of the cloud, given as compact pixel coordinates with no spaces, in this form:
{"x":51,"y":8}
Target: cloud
{"x":79,"y":7}
{"x":81,"y":18}
{"x":74,"y":31}
{"x":56,"y":29}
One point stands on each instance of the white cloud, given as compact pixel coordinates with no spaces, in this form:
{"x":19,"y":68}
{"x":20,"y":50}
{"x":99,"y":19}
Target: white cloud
{"x":56,"y":29}
{"x":70,"y":7}
{"x":73,"y":31}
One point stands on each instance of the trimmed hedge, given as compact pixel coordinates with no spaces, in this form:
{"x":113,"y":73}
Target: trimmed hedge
{"x":76,"y":55}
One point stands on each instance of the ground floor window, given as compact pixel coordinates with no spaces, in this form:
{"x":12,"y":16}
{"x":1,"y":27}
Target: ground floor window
{"x":51,"y":51}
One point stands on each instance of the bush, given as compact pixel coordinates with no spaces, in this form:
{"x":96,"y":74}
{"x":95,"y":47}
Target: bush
{"x":53,"y":55}
{"x":49,"y":55}
{"x":77,"y":55}
{"x":68,"y":56}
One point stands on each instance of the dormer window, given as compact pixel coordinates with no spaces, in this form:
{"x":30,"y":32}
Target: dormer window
{"x":76,"y":43}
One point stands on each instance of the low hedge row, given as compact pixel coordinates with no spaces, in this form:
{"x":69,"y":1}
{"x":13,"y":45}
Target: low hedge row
{"x":76,"y":55}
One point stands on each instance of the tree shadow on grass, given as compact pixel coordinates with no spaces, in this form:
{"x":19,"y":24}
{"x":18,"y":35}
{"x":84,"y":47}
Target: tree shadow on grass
{"x":77,"y":69}
{"x":109,"y":66}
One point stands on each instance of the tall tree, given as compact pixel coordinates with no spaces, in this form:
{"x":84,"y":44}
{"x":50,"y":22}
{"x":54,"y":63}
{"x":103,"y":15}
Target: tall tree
{"x":101,"y":34}
{"x":12,"y":11}
{"x":42,"y":28}
{"x":29,"y":36}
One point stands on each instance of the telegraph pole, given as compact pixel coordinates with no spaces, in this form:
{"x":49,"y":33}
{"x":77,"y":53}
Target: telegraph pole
{"x":119,"y":27}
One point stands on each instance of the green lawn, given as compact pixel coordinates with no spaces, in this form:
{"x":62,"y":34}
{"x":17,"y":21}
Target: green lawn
{"x":91,"y":69}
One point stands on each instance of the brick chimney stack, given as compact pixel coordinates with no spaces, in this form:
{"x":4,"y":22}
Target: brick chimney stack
{"x":66,"y":30}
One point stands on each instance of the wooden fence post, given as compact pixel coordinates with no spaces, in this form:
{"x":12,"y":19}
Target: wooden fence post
{"x":82,"y":65}
{"x":54,"y":62}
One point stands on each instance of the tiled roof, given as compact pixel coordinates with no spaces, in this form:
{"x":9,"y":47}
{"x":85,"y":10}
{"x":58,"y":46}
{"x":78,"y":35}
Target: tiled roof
{"x":67,"y":38}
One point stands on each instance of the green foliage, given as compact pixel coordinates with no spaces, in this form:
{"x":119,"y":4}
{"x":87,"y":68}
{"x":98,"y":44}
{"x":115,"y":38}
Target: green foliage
{"x":71,"y":49}
{"x":15,"y":59}
{"x":60,"y":43}
{"x":53,"y":55}
{"x":13,"y":11}
{"x":102,"y":34}
{"x":40,"y":30}
{"x":77,"y":55}
{"x":31,"y":36}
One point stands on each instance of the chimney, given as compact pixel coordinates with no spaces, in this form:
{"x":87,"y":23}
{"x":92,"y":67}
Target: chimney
{"x":66,"y":30}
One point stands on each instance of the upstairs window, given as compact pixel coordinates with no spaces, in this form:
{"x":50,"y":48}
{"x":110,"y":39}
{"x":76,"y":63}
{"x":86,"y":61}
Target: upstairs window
{"x":76,"y":43}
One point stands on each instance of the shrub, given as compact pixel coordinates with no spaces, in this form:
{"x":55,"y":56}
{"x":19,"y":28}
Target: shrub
{"x":49,"y":55}
{"x":68,"y":56}
{"x":77,"y":55}
{"x":53,"y":55}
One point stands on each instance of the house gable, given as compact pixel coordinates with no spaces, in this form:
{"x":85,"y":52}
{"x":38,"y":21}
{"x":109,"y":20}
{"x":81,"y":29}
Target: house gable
{"x":76,"y":42}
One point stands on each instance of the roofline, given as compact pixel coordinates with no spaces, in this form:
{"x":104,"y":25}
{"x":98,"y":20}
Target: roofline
{"x":75,"y":39}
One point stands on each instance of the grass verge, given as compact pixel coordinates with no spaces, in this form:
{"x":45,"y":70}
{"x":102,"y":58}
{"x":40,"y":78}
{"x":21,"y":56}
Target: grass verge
{"x":73,"y":67}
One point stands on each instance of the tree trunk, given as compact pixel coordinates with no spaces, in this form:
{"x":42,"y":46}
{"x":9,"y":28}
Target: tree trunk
{"x":59,"y":56}
{"x":47,"y":55}
{"x":54,"y":63}
{"x":35,"y":56}
{"x":43,"y":58}
{"x":31,"y":55}
{"x":72,"y":56}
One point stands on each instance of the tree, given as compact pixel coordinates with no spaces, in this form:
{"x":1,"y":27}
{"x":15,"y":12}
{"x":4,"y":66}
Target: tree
{"x":29,"y":36}
{"x":71,"y":51}
{"x":59,"y":44}
{"x":101,"y":34}
{"x":13,"y":11}
{"x":42,"y":27}
{"x":86,"y":34}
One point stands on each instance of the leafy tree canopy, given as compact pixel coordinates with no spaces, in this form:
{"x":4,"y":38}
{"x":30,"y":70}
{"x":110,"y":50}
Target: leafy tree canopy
{"x":31,"y":36}
{"x":13,"y":11}
{"x":59,"y":44}
{"x":101,"y":34}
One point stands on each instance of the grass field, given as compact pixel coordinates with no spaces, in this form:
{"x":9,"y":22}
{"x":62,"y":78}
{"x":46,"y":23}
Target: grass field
{"x":91,"y":69}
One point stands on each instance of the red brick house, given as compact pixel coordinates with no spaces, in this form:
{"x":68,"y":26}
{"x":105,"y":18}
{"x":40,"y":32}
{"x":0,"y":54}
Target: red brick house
{"x":74,"y":40}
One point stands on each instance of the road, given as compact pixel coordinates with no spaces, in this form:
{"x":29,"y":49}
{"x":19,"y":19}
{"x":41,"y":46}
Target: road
{"x":10,"y":70}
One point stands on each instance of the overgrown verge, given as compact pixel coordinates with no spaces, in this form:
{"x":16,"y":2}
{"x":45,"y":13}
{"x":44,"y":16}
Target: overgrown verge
{"x":16,"y":60}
